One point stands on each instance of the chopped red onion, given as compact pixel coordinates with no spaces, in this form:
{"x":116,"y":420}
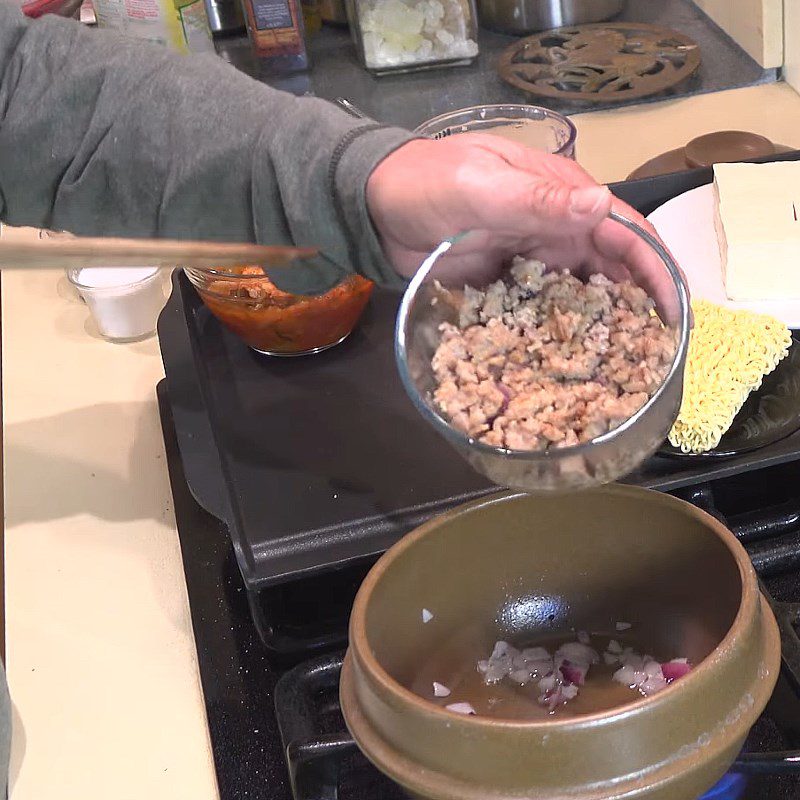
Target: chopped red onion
{"x":461,"y":708}
{"x":574,"y":673}
{"x":440,"y":690}
{"x":675,"y":669}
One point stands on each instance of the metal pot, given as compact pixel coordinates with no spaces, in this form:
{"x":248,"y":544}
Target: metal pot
{"x":224,"y":16}
{"x":523,"y":569}
{"x":333,"y":11}
{"x":529,"y":16}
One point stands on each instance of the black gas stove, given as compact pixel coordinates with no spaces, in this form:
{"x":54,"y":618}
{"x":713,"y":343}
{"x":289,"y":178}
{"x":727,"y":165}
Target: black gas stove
{"x":286,"y":493}
{"x":275,"y":723}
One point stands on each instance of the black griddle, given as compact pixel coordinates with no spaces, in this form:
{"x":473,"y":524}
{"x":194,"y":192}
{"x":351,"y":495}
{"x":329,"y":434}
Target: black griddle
{"x":321,"y":462}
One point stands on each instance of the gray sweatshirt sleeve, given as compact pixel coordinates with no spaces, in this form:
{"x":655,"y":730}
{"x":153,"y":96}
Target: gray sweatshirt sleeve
{"x":105,"y":135}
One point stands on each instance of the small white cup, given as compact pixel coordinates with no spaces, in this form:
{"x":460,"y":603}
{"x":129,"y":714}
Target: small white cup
{"x":125,"y":302}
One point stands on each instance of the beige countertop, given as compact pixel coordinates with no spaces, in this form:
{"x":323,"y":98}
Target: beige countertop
{"x":100,"y":653}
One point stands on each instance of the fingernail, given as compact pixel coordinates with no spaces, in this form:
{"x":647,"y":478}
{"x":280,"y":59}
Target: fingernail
{"x":587,"y":201}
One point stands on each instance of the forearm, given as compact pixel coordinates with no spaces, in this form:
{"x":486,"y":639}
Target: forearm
{"x":108,"y":136}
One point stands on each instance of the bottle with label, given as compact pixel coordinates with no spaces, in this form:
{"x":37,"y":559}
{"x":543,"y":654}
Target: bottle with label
{"x":275,"y":28}
{"x":179,"y":24}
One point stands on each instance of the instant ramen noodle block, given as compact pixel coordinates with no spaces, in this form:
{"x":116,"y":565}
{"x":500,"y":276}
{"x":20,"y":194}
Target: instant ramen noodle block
{"x":730,"y":353}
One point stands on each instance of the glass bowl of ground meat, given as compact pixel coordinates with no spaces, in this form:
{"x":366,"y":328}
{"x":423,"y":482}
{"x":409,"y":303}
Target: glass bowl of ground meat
{"x":277,"y":323}
{"x":542,"y":381}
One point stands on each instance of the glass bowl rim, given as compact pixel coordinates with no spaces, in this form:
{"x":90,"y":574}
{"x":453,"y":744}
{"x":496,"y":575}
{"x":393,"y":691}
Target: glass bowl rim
{"x":548,"y":114}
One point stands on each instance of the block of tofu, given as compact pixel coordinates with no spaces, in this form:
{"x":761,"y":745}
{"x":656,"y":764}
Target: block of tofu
{"x":757,"y":217}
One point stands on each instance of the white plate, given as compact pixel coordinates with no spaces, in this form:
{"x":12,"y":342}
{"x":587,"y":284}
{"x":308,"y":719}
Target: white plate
{"x":686,"y":224}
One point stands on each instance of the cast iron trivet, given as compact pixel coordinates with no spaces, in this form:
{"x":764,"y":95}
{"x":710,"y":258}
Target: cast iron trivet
{"x":600,"y":63}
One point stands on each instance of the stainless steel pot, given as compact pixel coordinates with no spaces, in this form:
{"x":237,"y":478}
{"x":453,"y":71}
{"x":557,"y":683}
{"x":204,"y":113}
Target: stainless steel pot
{"x":224,"y":16}
{"x":528,"y":16}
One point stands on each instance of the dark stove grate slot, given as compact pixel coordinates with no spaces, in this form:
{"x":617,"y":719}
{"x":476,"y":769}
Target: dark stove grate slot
{"x":770,"y":487}
{"x":358,"y":780}
{"x":307,"y":616}
{"x":772,"y":535}
{"x":777,"y":520}
{"x":776,"y":556}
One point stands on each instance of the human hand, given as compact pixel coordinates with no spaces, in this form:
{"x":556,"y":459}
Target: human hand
{"x":514,"y":200}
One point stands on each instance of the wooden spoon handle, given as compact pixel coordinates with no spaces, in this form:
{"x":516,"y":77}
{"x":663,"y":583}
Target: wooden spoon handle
{"x":79,"y":252}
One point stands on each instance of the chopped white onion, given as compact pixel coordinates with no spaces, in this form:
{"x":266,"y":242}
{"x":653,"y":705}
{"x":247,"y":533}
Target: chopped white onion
{"x":569,"y":692}
{"x":535,"y":654}
{"x":440,"y":690}
{"x":426,"y":616}
{"x":652,"y":668}
{"x":625,"y":675}
{"x":461,"y":708}
{"x":548,"y":683}
{"x":539,"y":668}
{"x":520,"y":676}
{"x":501,"y":649}
{"x":559,"y":677}
{"x":646,"y":674}
{"x":577,"y":653}
{"x":623,"y":626}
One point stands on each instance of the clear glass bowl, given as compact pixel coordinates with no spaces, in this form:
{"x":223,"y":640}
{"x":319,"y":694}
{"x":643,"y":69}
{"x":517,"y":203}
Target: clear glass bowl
{"x":277,"y":323}
{"x":408,"y":35}
{"x":603,"y":459}
{"x":532,"y":126}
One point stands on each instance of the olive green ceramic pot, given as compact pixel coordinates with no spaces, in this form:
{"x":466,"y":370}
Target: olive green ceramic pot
{"x":525,"y":568}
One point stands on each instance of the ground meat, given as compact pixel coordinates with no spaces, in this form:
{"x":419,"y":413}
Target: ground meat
{"x":544,"y":360}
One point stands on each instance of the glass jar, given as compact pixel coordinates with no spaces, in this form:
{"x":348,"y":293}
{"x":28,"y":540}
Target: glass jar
{"x":406,"y":35}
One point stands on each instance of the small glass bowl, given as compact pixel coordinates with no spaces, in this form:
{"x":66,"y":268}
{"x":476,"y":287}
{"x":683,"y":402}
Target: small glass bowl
{"x":276,"y":323}
{"x":124,"y":311}
{"x":605,"y":458}
{"x":532,"y":126}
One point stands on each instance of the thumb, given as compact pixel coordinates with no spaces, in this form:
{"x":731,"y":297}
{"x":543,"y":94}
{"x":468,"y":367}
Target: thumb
{"x":557,"y":202}
{"x":590,"y":204}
